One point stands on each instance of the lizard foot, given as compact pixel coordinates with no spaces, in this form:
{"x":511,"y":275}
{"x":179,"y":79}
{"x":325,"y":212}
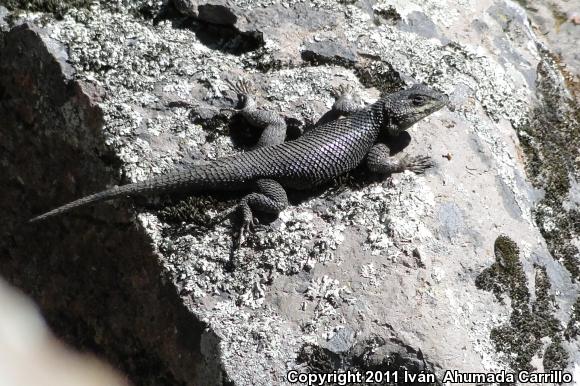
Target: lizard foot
{"x":271,"y":199}
{"x":248,"y":226}
{"x":249,"y":222}
{"x":346,"y":102}
{"x":242,"y":87}
{"x":244,"y":229}
{"x":341,"y":90}
{"x":416,"y":164}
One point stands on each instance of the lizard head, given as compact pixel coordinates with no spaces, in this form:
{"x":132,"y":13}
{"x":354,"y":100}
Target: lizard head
{"x":404,"y":108}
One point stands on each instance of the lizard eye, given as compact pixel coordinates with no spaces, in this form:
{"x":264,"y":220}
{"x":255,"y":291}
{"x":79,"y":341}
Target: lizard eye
{"x":418,"y":100}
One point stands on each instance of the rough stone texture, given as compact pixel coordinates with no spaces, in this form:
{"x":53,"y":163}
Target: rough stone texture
{"x":558,"y":22}
{"x":30,"y":355}
{"x":99,"y":289}
{"x":3,"y":14}
{"x":410,"y":270}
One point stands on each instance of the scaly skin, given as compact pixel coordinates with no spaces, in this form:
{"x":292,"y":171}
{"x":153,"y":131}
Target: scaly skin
{"x":329,"y":150}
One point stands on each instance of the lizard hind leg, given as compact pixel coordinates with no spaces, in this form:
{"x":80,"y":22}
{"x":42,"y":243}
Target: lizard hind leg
{"x":379,"y":161}
{"x":270,"y":198}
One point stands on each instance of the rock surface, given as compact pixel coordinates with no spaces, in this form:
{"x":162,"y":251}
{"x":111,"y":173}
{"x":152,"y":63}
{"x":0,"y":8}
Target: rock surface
{"x":472,"y":267}
{"x":558,"y":22}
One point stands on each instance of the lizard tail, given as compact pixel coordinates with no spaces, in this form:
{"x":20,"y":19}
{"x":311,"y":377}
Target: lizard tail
{"x":219,"y":175}
{"x":88,"y":200}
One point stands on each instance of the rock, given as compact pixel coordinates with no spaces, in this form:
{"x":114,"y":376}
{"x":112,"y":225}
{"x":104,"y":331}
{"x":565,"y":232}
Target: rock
{"x":329,"y":52}
{"x":335,"y":283}
{"x":341,"y":341}
{"x":557,"y":22}
{"x":52,"y":124}
{"x":186,"y":7}
{"x":3,"y":14}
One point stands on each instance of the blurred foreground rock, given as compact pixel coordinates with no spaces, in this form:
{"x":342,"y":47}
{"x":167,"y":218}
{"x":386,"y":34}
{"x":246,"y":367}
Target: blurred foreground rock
{"x":30,"y":355}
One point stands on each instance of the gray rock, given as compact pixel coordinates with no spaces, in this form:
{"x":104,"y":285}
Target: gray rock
{"x":3,"y":15}
{"x":329,"y":52}
{"x":420,"y":24}
{"x":451,"y":218}
{"x":338,"y":281}
{"x":341,"y":341}
{"x":554,"y":21}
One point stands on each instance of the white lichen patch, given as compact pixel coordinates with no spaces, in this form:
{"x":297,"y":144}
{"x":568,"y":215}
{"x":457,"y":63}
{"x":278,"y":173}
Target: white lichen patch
{"x":299,"y":240}
{"x":389,"y":212}
{"x":263,"y":340}
{"x":324,"y":297}
{"x":128,"y":59}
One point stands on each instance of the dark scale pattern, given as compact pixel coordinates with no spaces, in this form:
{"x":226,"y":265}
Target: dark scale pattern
{"x":323,"y":153}
{"x":328,"y":151}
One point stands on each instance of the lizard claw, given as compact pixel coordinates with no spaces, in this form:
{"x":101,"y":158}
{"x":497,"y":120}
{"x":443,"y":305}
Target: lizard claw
{"x":249,"y":225}
{"x":243,"y":89}
{"x":244,"y":230}
{"x":341,"y":91}
{"x":417,"y":164}
{"x":240,"y":87}
{"x":256,"y":225}
{"x":247,"y":220}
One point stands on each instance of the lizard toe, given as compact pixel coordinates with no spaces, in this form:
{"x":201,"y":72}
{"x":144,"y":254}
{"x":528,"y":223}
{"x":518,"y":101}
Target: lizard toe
{"x":244,"y":230}
{"x":257,"y":225}
{"x":419,"y":164}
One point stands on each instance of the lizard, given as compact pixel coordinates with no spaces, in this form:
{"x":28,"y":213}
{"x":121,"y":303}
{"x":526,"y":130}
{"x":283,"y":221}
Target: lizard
{"x":345,"y":137}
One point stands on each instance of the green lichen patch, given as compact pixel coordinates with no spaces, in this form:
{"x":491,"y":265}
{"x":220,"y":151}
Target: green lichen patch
{"x":56,"y":7}
{"x":573,"y":328}
{"x":543,"y":306}
{"x":560,"y":17}
{"x":555,"y":356}
{"x":551,"y":140}
{"x":192,"y":210}
{"x":214,"y":127}
{"x":388,"y":15}
{"x":506,"y":275}
{"x":530,"y":321}
{"x":384,"y":361}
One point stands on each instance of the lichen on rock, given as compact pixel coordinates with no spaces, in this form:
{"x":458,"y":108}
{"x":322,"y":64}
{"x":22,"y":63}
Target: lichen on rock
{"x":530,"y":321}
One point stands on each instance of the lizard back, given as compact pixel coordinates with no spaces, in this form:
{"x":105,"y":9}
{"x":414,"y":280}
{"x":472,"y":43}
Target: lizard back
{"x":324,"y":153}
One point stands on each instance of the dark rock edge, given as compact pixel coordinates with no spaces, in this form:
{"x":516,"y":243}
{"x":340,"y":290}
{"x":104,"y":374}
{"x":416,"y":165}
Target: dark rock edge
{"x":99,"y":290}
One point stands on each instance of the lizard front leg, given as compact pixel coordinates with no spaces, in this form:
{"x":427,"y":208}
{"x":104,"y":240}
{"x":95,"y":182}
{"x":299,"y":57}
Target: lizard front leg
{"x":345,"y":104}
{"x":272,"y":125}
{"x":379,"y":161}
{"x":270,"y":198}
